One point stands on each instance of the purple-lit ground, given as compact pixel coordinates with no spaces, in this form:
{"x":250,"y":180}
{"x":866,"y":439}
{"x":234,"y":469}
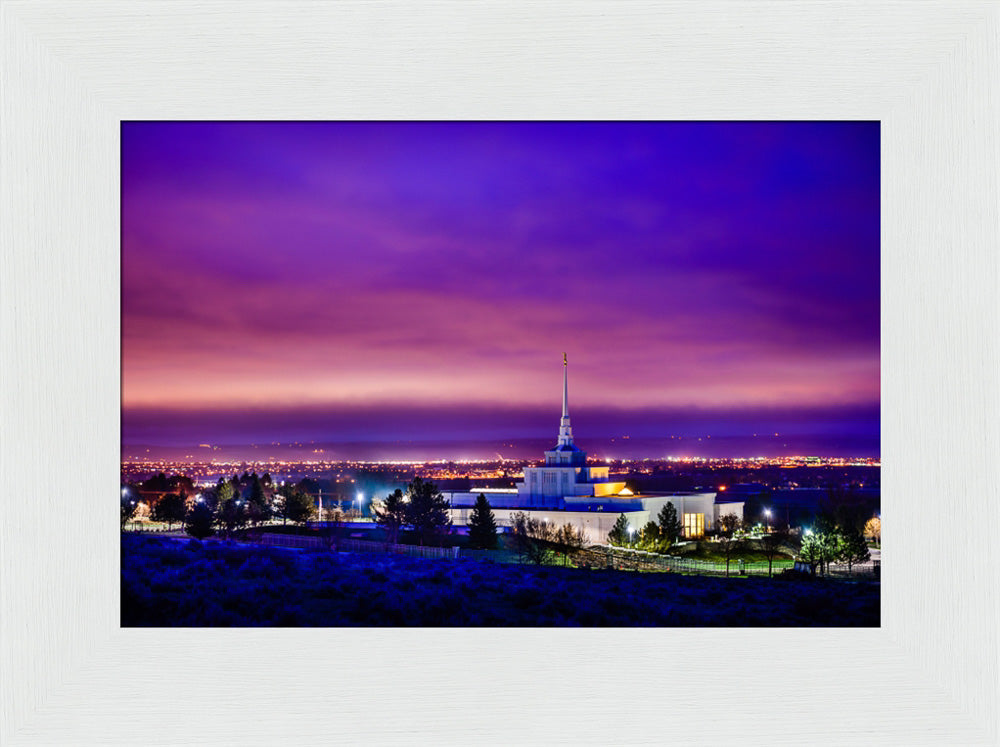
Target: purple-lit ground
{"x":189,"y":583}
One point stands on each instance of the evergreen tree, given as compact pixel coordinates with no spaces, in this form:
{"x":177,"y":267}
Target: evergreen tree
{"x":297,"y":506}
{"x":482,"y":525}
{"x":169,"y":508}
{"x":670,"y":525}
{"x":619,"y":532}
{"x":651,"y":538}
{"x":199,"y":520}
{"x":223,"y":492}
{"x":390,"y":514}
{"x":257,"y":501}
{"x":232,"y":515}
{"x":427,"y":511}
{"x":853,"y":548}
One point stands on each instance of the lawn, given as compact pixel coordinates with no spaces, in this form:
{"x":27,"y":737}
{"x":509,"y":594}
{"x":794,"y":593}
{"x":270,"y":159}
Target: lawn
{"x":170,"y":582}
{"x":748,"y":556}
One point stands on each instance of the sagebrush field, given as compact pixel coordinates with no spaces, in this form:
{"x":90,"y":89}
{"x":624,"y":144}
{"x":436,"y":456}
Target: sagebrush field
{"x":170,"y":582}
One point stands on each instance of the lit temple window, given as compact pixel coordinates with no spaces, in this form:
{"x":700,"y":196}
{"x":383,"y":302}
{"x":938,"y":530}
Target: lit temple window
{"x":694,"y":525}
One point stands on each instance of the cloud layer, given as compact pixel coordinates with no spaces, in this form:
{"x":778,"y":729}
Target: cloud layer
{"x":306,"y":266}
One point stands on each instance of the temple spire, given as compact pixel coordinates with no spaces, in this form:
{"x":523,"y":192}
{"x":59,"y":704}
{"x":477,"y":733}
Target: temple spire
{"x":565,"y":430}
{"x":565,"y":413}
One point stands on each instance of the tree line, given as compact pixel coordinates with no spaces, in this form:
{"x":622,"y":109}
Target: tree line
{"x":229,"y":506}
{"x":656,"y":536}
{"x":837,"y":535}
{"x":421,"y":509}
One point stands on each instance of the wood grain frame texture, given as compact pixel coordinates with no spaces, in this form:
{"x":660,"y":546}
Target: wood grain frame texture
{"x":71,"y":71}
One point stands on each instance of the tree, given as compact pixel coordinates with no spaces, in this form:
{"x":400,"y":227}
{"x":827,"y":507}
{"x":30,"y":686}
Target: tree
{"x":128,"y":508}
{"x":873,"y":529}
{"x":542,"y":539}
{"x":142,"y":512}
{"x":169,"y":508}
{"x":753,"y":508}
{"x":772,"y":544}
{"x":223,"y":491}
{"x":199,"y":520}
{"x":619,"y":534}
{"x":570,"y":540}
{"x":729,"y":527}
{"x":390,"y":514}
{"x":427,"y":511}
{"x":519,"y":533}
{"x":482,"y":525}
{"x":179,"y":483}
{"x":853,"y":548}
{"x":822,"y":543}
{"x":670,"y":525}
{"x":297,"y":506}
{"x":232,"y":515}
{"x":532,"y":538}
{"x":851,"y":513}
{"x":811,"y":551}
{"x":829,"y":536}
{"x":158,"y":483}
{"x":650,"y":538}
{"x":257,"y":501}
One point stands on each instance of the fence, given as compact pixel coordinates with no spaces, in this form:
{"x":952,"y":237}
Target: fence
{"x":350,"y":545}
{"x":151,"y":528}
{"x":416,"y":551}
{"x":638,"y":560}
{"x":592,"y":557}
{"x":291,"y":540}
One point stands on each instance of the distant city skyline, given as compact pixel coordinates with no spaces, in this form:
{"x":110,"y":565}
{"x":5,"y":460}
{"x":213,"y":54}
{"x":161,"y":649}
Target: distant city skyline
{"x":386,"y":281}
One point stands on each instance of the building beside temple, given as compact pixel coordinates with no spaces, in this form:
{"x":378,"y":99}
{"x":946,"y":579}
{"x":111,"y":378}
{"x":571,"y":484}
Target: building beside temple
{"x":565,"y":489}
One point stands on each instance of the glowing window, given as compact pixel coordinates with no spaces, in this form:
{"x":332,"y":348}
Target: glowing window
{"x":694,"y":525}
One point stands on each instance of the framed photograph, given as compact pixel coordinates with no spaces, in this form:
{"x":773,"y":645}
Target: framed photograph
{"x":74,"y":75}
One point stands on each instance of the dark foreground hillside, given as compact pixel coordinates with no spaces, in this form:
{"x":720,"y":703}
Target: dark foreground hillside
{"x":168,"y":582}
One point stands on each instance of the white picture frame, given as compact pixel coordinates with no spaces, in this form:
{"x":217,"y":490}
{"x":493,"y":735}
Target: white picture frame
{"x":930,"y":72}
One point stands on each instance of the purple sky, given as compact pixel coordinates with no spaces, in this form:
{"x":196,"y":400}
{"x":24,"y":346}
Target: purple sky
{"x":358,"y":281}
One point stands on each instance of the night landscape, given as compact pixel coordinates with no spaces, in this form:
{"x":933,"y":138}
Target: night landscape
{"x":346,"y":345}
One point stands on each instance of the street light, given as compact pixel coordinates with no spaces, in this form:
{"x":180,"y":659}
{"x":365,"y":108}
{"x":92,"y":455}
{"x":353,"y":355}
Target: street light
{"x":361,"y":499}
{"x":767,"y":513}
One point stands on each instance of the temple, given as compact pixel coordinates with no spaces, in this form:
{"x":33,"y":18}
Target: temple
{"x":565,"y":489}
{"x":565,"y":477}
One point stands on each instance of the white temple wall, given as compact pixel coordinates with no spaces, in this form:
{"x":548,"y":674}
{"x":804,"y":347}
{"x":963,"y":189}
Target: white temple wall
{"x":595,"y":524}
